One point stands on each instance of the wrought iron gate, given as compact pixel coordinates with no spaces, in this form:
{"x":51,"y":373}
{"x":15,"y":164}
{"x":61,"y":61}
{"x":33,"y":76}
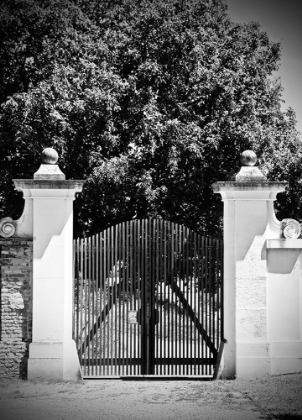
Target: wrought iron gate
{"x":148,"y":300}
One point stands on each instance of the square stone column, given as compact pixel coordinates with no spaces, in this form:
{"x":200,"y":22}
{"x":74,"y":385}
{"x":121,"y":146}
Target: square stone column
{"x":52,"y":353}
{"x":249,"y":219}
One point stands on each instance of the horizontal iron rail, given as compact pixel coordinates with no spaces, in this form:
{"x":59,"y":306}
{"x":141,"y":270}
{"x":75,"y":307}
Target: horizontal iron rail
{"x":132,"y":377}
{"x":163,"y":361}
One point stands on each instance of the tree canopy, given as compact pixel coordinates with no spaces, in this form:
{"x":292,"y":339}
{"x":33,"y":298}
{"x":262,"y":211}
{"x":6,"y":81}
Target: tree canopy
{"x":149,"y":101}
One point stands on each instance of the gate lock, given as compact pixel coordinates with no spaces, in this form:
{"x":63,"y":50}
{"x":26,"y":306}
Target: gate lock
{"x":135,"y":316}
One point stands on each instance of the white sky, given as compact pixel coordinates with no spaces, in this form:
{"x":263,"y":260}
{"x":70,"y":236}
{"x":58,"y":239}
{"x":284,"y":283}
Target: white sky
{"x":282,"y":21}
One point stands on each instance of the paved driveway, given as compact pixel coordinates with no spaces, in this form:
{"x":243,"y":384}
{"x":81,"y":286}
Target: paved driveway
{"x":136,"y":400}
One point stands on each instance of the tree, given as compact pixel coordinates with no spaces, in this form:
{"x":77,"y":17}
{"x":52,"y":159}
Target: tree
{"x":150,"y":101}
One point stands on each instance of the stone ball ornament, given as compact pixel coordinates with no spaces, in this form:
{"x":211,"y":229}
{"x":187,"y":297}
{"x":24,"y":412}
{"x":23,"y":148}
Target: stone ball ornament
{"x":248,"y":158}
{"x":49,"y":156}
{"x":7,"y":227}
{"x":291,"y":229}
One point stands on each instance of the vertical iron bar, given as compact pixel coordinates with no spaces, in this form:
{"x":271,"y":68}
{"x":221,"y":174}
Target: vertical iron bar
{"x":106,"y":316}
{"x":190,"y":288}
{"x":165,"y":300}
{"x":119,"y":316}
{"x":175,"y":252}
{"x":188,"y":299}
{"x":184,"y":307}
{"x":122,"y":316}
{"x":147,"y":291}
{"x":111,"y":311}
{"x":135,"y":289}
{"x":116,"y":285}
{"x":143,"y":291}
{"x":104,"y":257}
{"x":98,"y":298}
{"x":152,"y":296}
{"x":206,"y":300}
{"x":74,"y":289}
{"x":215,"y":271}
{"x":187,"y":295}
{"x":202,"y":251}
{"x":90,"y":347}
{"x":199,"y":294}
{"x":101,"y":280}
{"x":86,"y":356}
{"x":217,"y":294}
{"x":154,"y":292}
{"x":78,"y":294}
{"x":82,"y":305}
{"x":198,"y":291}
{"x":198,"y":267}
{"x":92,"y":291}
{"x":162,"y":319}
{"x":157,"y":280}
{"x":181,"y":308}
{"x":204,"y":306}
{"x":139,"y":298}
{"x":126,"y":285}
{"x":124,"y":300}
{"x":130,"y":294}
{"x":134,"y":295}
{"x":172,"y":298}
{"x":84,"y":308}
{"x":209,"y":330}
{"x":222,"y":291}
{"x":106,"y":299}
{"x":195,"y":291}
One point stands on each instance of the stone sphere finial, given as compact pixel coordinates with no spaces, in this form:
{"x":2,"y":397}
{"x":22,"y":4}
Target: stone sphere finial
{"x":49,"y":156}
{"x":248,"y":158}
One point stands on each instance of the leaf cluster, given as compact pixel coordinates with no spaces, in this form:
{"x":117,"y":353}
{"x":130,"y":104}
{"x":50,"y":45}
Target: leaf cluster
{"x":149,"y":101}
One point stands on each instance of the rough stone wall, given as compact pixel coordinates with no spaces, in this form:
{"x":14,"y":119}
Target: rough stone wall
{"x":15,"y":306}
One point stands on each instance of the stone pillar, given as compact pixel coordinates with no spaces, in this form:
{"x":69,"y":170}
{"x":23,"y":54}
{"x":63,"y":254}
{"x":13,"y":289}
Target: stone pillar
{"x":249,"y":219}
{"x":52,"y":353}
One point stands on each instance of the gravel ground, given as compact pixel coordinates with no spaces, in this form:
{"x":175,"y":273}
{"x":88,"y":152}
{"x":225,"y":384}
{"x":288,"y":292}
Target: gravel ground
{"x":278,"y":397}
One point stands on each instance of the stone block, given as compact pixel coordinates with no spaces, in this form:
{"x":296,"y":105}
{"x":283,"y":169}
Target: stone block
{"x":252,"y":368}
{"x":251,"y":325}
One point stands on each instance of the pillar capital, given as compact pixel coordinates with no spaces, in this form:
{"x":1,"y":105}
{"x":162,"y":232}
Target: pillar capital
{"x":249,"y":183}
{"x":50,"y":179}
{"x":38,"y":188}
{"x":249,"y":190}
{"x":48,"y":183}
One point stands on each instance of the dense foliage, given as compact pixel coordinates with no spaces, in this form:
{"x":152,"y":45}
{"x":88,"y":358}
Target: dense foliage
{"x":150,"y":101}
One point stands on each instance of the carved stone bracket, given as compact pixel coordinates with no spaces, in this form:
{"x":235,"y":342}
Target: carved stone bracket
{"x":291,"y":229}
{"x":7,"y":227}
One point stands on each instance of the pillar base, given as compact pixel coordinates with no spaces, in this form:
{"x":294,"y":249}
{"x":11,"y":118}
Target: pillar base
{"x":256,"y":360}
{"x":54,"y":361}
